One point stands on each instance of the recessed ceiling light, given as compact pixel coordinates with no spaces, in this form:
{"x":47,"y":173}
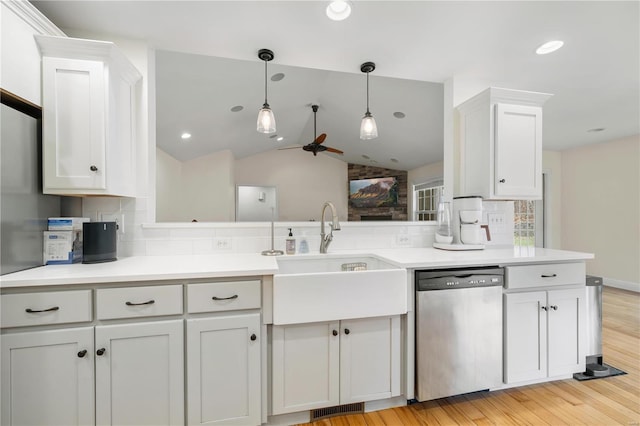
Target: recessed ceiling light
{"x":237,"y":108}
{"x":185,"y":135}
{"x":280,"y":139}
{"x":277,"y":77}
{"x":338,"y":10}
{"x":596,"y":130}
{"x":399,"y":114}
{"x":550,"y":46}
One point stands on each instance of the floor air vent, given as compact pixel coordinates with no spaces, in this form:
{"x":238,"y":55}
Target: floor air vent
{"x":323,"y":413}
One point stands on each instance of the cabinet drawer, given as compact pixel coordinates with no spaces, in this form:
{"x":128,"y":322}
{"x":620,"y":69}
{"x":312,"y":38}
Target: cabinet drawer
{"x":139,"y":301}
{"x":552,"y":274}
{"x":223,"y":296}
{"x":46,"y":308}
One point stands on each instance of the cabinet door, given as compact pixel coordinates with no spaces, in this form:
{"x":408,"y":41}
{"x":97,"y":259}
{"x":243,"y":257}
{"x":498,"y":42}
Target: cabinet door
{"x":518,"y":151}
{"x":47,"y":377}
{"x":567,"y":336}
{"x":305,"y":366}
{"x":73,"y":124}
{"x":140,"y":374}
{"x":369,"y":359}
{"x":223,"y":370}
{"x":525,"y":336}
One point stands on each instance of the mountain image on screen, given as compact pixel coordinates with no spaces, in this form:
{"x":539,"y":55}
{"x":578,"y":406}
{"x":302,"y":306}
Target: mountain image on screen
{"x":377,"y":192}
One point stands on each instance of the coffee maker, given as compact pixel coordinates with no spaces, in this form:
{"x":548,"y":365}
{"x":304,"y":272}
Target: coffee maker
{"x":465,"y":224}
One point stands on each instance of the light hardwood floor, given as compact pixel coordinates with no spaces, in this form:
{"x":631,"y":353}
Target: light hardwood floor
{"x":608,"y":401}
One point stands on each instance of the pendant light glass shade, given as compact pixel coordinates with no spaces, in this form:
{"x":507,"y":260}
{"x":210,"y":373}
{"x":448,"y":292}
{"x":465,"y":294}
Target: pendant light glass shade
{"x":368,"y":127}
{"x":266,"y":120}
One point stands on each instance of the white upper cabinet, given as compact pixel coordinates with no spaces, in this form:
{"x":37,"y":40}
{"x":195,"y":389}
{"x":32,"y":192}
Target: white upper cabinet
{"x":501,"y":145}
{"x":89,"y":92}
{"x":20,"y":64}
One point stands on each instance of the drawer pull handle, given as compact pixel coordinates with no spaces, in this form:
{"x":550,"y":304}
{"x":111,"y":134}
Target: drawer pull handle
{"x":100,"y":351}
{"x":150,"y":302}
{"x":82,"y":353}
{"x":554,"y":307}
{"x":549,"y":275}
{"x":31,"y":311}
{"x":253,"y":337}
{"x":235,"y":296}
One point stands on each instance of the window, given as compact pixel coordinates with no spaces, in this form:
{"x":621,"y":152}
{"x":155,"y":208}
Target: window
{"x":426,"y":197}
{"x":524,"y":223}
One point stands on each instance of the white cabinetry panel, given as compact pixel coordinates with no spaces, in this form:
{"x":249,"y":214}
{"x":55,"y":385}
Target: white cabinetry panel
{"x":47,"y":377}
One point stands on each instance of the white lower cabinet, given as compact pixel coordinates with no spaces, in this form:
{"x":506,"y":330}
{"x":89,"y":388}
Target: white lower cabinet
{"x":223,"y":370}
{"x":47,"y":377}
{"x":325,"y":364}
{"x":544,"y":334}
{"x":140,"y":373}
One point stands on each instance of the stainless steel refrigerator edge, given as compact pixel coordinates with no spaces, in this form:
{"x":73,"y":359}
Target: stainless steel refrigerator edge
{"x":24,"y":210}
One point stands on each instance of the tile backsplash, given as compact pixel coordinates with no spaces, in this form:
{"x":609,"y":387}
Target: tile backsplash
{"x":137,"y":237}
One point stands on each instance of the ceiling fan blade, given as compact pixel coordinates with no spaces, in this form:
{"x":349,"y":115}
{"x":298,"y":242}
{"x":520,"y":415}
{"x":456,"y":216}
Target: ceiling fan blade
{"x":320,"y":138}
{"x":291,"y":147}
{"x":337,"y":151}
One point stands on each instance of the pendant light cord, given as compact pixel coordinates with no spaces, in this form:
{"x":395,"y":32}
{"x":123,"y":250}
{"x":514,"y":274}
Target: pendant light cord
{"x":265,"y":85}
{"x":367,"y":93}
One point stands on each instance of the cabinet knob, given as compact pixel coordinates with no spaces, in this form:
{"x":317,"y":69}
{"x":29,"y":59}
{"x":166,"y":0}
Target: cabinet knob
{"x":82,"y":353}
{"x":334,"y":332}
{"x":93,"y":168}
{"x":100,"y":351}
{"x":502,"y":181}
{"x":347,"y":331}
{"x":544,"y":308}
{"x":253,"y":337}
{"x":554,"y":307}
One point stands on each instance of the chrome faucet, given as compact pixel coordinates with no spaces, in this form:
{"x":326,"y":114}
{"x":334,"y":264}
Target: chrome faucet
{"x":325,"y":239}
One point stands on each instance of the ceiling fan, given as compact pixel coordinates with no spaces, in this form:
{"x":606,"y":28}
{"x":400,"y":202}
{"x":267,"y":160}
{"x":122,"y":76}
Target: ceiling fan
{"x":316,"y":146}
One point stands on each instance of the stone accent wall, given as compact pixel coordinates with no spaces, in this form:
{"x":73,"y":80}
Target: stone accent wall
{"x":399,"y":212}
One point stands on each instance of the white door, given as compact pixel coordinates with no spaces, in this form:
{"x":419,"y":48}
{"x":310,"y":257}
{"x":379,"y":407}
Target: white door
{"x":567,"y":337}
{"x":223,"y":370}
{"x":74,"y":130}
{"x":518,"y":153}
{"x":369,"y":359}
{"x":47,"y":377}
{"x":525,"y":336}
{"x":305,"y":366}
{"x":140,"y":374}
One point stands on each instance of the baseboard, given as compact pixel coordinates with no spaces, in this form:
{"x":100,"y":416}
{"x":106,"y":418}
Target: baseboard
{"x":624,"y":285}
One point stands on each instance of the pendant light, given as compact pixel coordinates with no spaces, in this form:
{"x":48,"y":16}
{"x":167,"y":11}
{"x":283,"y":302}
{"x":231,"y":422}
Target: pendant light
{"x":368,"y":128}
{"x":266,"y":120}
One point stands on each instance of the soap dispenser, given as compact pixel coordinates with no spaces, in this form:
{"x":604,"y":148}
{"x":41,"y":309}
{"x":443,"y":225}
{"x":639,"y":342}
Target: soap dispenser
{"x":304,"y":246}
{"x":291,"y":243}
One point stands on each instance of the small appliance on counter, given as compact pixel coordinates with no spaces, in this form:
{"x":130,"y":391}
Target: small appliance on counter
{"x":465,"y":225}
{"x":100,"y":242}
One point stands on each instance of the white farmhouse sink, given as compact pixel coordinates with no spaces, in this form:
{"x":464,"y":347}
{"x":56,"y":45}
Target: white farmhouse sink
{"x":312,"y":289}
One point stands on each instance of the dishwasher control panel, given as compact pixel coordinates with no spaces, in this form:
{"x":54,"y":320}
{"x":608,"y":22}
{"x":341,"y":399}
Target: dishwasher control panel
{"x":441,"y":279}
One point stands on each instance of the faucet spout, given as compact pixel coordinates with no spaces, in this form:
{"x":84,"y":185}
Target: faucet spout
{"x":325,"y":239}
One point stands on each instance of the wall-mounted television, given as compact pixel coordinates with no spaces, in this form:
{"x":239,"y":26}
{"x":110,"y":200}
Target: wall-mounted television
{"x":373,"y":192}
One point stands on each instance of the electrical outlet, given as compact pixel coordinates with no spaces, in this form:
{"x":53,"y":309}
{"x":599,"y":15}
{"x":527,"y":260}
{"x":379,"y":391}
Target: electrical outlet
{"x":496,"y":221}
{"x":222,"y":243}
{"x":118,"y":218}
{"x":403,"y":240}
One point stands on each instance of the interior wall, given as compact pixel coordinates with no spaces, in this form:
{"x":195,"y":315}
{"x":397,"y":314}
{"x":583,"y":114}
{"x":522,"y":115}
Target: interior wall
{"x":601,"y":207}
{"x":303,"y":181}
{"x":552,"y":167}
{"x":168,"y":177}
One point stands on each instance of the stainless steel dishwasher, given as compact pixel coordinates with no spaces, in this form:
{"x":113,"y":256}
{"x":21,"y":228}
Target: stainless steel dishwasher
{"x":458,"y":331}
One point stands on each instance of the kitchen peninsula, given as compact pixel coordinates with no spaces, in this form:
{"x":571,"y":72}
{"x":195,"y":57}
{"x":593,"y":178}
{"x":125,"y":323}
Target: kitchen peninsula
{"x":151,"y":310}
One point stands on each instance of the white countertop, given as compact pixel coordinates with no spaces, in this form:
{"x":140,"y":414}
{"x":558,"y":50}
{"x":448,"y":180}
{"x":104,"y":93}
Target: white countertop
{"x":156,"y":268}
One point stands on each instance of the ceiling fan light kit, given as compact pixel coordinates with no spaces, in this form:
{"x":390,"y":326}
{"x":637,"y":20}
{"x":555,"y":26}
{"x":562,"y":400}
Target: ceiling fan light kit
{"x":266,"y":120}
{"x":368,"y":127}
{"x":338,"y":10}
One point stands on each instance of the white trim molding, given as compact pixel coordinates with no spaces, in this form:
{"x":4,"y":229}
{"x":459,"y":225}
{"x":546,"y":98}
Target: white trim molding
{"x":32,"y":16}
{"x":624,"y":285}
